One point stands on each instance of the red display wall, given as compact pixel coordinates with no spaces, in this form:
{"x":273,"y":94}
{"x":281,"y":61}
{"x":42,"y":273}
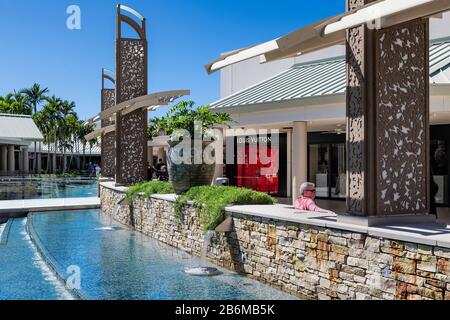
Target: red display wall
{"x":259,"y":176}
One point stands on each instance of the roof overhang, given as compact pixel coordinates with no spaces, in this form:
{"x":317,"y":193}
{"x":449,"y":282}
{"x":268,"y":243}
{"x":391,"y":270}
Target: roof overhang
{"x":159,"y":142}
{"x":332,"y":31}
{"x":100,"y":132}
{"x":149,"y":102}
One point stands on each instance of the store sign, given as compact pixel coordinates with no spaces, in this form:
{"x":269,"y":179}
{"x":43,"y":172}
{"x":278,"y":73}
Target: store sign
{"x":254,"y":140}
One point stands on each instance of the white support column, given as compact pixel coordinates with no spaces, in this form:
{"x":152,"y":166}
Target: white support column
{"x":25,"y":160}
{"x":11,"y":159}
{"x":162,"y":154}
{"x":39,"y":162}
{"x":299,"y":157}
{"x":219,"y":148}
{"x":20,"y":160}
{"x":4,"y":158}
{"x":150,"y":155}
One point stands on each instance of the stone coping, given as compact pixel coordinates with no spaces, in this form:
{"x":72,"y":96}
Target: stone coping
{"x":431,"y":234}
{"x":112,"y":185}
{"x":13,"y":208}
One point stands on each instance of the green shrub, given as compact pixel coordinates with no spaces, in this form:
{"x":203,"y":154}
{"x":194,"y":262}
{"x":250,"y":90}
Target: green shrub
{"x":210,"y":202}
{"x":149,"y":188}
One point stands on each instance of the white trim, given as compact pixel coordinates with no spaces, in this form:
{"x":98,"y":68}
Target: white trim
{"x":132,"y":11}
{"x":373,"y":12}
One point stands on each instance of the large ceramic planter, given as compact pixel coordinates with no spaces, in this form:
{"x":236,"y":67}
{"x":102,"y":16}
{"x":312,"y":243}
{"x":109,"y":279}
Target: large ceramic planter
{"x":185,"y":176}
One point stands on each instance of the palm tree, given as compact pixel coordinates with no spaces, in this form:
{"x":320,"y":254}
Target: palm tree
{"x":66,"y":125}
{"x":15,"y":103}
{"x":84,"y":130}
{"x":52,"y":111}
{"x":36,"y":95}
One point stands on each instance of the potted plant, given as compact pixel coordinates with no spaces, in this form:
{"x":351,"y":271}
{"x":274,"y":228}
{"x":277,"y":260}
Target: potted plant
{"x":188,"y":127}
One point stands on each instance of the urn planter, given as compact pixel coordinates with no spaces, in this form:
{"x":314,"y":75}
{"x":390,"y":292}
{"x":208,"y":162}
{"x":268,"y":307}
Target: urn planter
{"x":184,"y":175}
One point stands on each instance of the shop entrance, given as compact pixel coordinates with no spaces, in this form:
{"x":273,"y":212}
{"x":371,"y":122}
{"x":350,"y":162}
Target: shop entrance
{"x":251,"y":170}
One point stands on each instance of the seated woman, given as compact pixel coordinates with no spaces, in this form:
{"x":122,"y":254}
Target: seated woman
{"x":306,"y":201}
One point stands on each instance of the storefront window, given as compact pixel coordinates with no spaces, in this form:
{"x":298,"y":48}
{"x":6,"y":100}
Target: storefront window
{"x":254,"y":170}
{"x":327,"y":169}
{"x":319,"y":164}
{"x":338,"y":171}
{"x":439,"y":166}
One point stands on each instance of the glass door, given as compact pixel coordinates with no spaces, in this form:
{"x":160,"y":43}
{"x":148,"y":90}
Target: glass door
{"x":327,"y":169}
{"x":338,"y":172}
{"x":319,"y":168}
{"x":439,"y":166}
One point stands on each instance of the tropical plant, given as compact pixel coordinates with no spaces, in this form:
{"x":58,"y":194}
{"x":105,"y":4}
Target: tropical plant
{"x":57,"y":121}
{"x":211,"y":201}
{"x":149,"y":188}
{"x":36,"y":95}
{"x":15,"y":103}
{"x":82,"y":131}
{"x":185,"y":115}
{"x":156,"y":127}
{"x":54,"y":118}
{"x":197,"y":122}
{"x":66,"y":128}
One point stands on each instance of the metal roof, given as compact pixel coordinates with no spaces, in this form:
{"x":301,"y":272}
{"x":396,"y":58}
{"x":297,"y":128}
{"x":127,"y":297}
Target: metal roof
{"x":77,"y":150}
{"x":320,"y":78}
{"x":19,"y":128}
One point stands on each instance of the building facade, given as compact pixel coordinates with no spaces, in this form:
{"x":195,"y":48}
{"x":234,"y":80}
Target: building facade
{"x":17,"y":132}
{"x":305,"y":99}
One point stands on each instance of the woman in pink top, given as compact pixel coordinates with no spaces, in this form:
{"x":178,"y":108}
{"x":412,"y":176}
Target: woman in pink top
{"x":306,"y":202}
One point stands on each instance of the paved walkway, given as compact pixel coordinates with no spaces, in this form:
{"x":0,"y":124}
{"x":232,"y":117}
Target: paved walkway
{"x":12,"y":208}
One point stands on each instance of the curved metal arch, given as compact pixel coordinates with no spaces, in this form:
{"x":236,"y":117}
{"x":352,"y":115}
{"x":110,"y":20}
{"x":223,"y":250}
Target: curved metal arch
{"x":132,"y":11}
{"x":140,"y":29}
{"x":109,"y":75}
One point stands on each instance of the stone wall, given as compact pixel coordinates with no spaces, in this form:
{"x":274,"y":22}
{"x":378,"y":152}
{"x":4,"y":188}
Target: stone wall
{"x":304,"y":260}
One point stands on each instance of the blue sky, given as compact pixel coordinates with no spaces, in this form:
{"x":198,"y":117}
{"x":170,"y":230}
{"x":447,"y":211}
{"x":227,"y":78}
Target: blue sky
{"x":183,"y":36}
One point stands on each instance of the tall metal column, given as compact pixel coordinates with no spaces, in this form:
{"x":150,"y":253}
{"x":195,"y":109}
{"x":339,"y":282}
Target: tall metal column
{"x":109,"y":139}
{"x":387,"y":120}
{"x":131,"y":82}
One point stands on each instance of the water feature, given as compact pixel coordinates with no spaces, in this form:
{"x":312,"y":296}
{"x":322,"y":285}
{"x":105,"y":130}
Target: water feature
{"x":125,"y":264}
{"x":204,"y":271}
{"x":46,"y":188}
{"x":25,"y":275}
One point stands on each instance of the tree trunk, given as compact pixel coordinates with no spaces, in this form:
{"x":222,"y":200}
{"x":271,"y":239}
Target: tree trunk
{"x":84,"y":156}
{"x":48,"y":157}
{"x":64,"y":160}
{"x":54,"y":157}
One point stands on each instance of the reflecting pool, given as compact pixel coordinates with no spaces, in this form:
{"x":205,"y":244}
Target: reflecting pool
{"x":45,"y":188}
{"x":24,"y":274}
{"x":116,"y":262}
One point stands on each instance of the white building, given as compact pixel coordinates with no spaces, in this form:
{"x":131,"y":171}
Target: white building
{"x":304,"y":97}
{"x":17,"y":132}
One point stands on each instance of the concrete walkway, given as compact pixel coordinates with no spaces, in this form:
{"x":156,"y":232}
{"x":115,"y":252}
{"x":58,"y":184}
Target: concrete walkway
{"x":17,"y":208}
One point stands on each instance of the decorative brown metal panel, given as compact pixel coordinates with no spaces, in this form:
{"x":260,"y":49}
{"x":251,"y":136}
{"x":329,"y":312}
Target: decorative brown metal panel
{"x":131,"y":129}
{"x":356,"y":100}
{"x":109,"y":139}
{"x":402,"y":119}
